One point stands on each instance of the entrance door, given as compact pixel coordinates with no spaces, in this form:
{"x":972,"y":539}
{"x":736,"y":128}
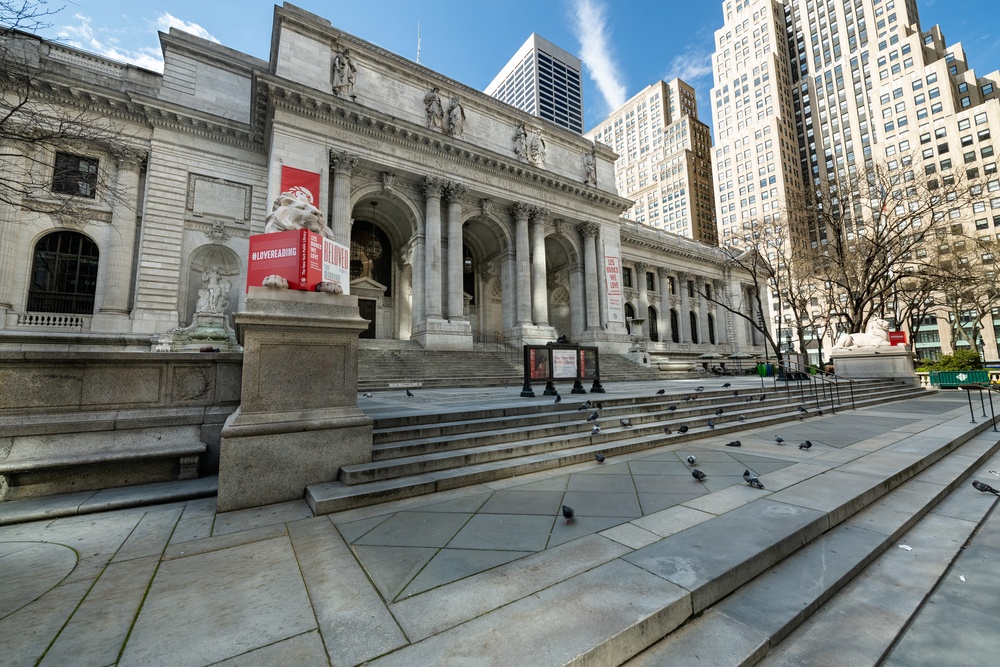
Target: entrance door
{"x":366,"y":307}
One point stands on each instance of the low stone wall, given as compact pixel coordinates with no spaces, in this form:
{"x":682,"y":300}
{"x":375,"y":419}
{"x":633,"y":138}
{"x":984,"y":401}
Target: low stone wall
{"x":74,"y":421}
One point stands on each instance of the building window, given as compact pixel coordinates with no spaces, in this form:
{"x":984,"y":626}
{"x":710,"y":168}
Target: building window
{"x":75,"y":175}
{"x":63,"y":274}
{"x":626,"y":276}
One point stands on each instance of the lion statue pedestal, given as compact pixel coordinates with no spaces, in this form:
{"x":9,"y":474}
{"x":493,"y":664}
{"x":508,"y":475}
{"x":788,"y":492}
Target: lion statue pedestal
{"x":869,"y":355}
{"x":298,"y":422}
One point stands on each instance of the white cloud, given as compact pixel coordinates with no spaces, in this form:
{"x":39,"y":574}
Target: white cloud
{"x":167,"y":21}
{"x":690,"y":66}
{"x":83,"y":36}
{"x":595,"y":51}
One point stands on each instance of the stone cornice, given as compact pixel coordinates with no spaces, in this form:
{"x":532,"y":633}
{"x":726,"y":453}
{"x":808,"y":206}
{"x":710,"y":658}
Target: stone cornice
{"x":369,"y":123}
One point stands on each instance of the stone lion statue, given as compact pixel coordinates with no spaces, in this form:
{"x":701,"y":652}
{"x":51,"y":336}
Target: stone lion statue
{"x":876,"y":335}
{"x":291,"y":212}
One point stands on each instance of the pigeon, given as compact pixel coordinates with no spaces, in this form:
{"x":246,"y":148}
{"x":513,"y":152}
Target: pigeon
{"x":567,"y":513}
{"x":593,"y":417}
{"x":734,"y":443}
{"x":985,"y":488}
{"x":762,"y":396}
{"x":506,"y":384}
{"x":727,"y":385}
{"x":599,"y":406}
{"x":558,"y":398}
{"x":368,"y":394}
{"x":599,"y":457}
{"x":718,"y":412}
{"x":596,"y":429}
{"x":710,"y":424}
{"x":692,"y":459}
{"x":699,"y":388}
{"x":625,"y":423}
{"x":778,"y":439}
{"x":671,"y":407}
{"x":743,"y":418}
{"x":805,"y":444}
{"x":698,"y":475}
{"x":683,"y":428}
{"x":583,"y":406}
{"x":749,"y":398}
{"x":736,"y":393}
{"x":409,"y":393}
{"x":666,"y":429}
{"x":819,"y":413}
{"x":752,"y":479}
{"x":802,"y":409}
{"x":661,"y":392}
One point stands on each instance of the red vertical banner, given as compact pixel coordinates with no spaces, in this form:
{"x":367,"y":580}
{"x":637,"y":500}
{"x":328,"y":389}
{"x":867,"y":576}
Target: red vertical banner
{"x":302,"y":184}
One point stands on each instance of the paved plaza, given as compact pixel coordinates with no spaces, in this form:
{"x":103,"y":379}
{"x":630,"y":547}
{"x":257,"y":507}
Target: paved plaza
{"x":492,"y":573}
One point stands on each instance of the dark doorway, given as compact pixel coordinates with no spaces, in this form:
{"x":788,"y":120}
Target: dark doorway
{"x":366,"y":307}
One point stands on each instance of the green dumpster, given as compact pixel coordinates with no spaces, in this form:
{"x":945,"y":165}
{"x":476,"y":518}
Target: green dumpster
{"x":958,"y":378}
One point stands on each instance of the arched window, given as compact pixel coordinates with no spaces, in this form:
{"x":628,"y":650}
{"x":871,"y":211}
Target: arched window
{"x":693,"y":316}
{"x":654,"y":334}
{"x":63,"y":274}
{"x":675,"y":326}
{"x":711,"y":330}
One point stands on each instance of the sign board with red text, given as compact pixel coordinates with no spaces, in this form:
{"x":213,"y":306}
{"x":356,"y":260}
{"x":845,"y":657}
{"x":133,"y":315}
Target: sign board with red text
{"x":897,"y":338}
{"x":301,"y":257}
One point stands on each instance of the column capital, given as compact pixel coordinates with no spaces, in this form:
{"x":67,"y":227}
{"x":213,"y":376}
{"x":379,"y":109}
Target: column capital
{"x":343,"y":162}
{"x":456,"y":192}
{"x":641,"y":267}
{"x":520,"y":211}
{"x":128,"y":158}
{"x":663,"y":272}
{"x":590,"y":230}
{"x":432,"y":187}
{"x":538,"y":213}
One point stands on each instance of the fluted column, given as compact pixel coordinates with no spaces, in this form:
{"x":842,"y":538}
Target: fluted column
{"x":663,"y":313}
{"x":521,"y":244}
{"x":120,"y":241}
{"x":539,"y":285}
{"x":342,"y":164}
{"x":703,"y":336}
{"x":721,"y":314}
{"x":643,"y":296}
{"x":590,"y":231}
{"x":577,"y":301}
{"x":684,"y":317}
{"x":432,"y":248}
{"x":456,"y":301}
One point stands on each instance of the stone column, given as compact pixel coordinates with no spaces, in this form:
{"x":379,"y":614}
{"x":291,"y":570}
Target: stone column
{"x":508,"y":290}
{"x":456,"y":302}
{"x":643,"y":296}
{"x":684,"y":316}
{"x":432,"y":248}
{"x":702,"y":311}
{"x":577,"y":301}
{"x":721,"y":314}
{"x":520,"y":212}
{"x":539,"y":285}
{"x":590,"y":231}
{"x":120,"y":242}
{"x":342,"y":164}
{"x":663,"y":315}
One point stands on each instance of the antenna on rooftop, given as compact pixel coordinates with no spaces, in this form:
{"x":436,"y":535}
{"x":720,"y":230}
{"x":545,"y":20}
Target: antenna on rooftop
{"x":418,"y":42}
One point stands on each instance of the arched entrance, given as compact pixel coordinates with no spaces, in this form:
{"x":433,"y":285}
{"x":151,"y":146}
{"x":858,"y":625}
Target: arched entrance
{"x":63,"y":274}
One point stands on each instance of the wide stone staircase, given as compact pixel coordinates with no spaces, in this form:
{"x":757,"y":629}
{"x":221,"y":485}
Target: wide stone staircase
{"x":404,"y":364}
{"x":420,"y":454}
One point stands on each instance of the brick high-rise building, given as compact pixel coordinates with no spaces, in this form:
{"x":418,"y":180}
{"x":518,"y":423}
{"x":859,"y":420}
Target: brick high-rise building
{"x":664,"y":160}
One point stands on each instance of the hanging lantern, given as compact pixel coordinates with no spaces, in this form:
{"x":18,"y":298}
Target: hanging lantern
{"x":467,"y":263}
{"x":373,"y":248}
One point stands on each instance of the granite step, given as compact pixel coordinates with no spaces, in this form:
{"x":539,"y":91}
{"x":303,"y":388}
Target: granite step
{"x":744,"y":627}
{"x":378,"y":481}
{"x":615,"y":609}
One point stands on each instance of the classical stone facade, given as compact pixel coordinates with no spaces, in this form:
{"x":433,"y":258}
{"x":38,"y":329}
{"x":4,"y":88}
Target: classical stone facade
{"x":455,"y":234}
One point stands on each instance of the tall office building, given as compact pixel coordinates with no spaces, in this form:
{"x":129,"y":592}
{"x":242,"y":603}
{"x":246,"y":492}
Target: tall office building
{"x":806,"y":93}
{"x":664,"y":160}
{"x":543,"y":80}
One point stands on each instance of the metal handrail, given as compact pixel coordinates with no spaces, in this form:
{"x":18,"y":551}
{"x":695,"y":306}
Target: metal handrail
{"x":980,"y":387}
{"x":824,"y":380}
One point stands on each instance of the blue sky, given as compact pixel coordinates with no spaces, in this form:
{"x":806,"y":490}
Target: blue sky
{"x":625,"y":44}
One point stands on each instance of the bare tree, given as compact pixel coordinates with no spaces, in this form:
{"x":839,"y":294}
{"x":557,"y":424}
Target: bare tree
{"x":43,"y":114}
{"x":864,"y":229}
{"x":966,"y":281}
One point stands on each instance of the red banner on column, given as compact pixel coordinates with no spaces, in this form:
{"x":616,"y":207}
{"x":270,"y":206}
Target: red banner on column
{"x":302,"y":184}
